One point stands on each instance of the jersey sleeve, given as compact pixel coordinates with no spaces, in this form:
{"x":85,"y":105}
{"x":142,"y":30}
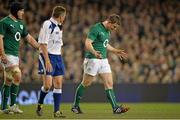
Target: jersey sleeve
{"x":93,"y":33}
{"x":25,"y":32}
{"x":2,"y":28}
{"x":44,"y":33}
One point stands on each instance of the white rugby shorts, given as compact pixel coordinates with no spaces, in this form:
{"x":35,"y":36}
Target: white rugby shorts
{"x":12,"y":61}
{"x":95,"y":66}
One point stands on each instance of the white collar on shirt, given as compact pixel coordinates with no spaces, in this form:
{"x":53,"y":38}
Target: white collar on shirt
{"x":54,"y":21}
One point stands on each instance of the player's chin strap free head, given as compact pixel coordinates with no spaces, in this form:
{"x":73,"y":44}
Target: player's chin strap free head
{"x":14,"y":8}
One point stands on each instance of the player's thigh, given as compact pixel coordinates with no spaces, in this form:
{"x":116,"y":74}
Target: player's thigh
{"x":87,"y":79}
{"x":12,"y":61}
{"x":14,"y":74}
{"x":47,"y":81}
{"x":3,"y":75}
{"x":57,"y":81}
{"x":104,"y":66}
{"x":107,"y":80}
{"x":91,"y":66}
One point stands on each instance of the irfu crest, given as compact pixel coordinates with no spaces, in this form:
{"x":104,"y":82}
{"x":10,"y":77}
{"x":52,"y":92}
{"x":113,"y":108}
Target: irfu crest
{"x":21,"y":26}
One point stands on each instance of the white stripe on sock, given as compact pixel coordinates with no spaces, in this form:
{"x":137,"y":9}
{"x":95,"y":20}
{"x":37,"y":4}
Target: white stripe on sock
{"x":42,"y":89}
{"x":57,"y":90}
{"x":112,"y":98}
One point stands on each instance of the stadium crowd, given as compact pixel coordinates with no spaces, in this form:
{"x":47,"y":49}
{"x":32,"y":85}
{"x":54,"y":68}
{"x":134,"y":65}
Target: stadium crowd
{"x":149,"y":33}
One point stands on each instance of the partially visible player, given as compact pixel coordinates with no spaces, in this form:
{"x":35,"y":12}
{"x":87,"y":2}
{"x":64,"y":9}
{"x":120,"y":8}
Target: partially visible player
{"x":11,"y":30}
{"x":51,"y":66}
{"x":96,"y":62}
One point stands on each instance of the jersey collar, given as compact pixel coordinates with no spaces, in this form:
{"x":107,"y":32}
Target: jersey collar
{"x":103,"y":26}
{"x":54,"y":21}
{"x":12,"y":18}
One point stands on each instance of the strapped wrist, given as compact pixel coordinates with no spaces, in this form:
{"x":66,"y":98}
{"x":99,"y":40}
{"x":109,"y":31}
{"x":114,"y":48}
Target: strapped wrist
{"x":48,"y":61}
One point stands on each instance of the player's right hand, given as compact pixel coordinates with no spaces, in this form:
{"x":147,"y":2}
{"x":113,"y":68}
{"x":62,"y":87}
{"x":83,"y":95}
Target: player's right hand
{"x":98,"y":54}
{"x":4,"y":59}
{"x":48,"y":66}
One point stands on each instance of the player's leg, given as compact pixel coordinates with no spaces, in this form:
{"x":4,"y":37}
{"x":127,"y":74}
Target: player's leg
{"x":57,"y":95}
{"x":91,"y":67}
{"x":16,"y":74}
{"x":5,"y":92}
{"x":108,"y":84}
{"x":59,"y":71}
{"x":47,"y":83}
{"x":46,"y":77}
{"x":87,"y":80}
{"x":11,"y":69}
{"x":106,"y":76}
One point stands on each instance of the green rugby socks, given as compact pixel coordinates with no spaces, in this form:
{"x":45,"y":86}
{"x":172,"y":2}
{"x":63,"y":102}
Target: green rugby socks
{"x":5,"y":95}
{"x":14,"y":91}
{"x":79,"y":94}
{"x":111,"y":97}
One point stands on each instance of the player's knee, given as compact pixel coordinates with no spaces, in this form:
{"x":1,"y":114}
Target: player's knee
{"x":47,"y":88}
{"x":86,"y":83}
{"x":16,"y":73}
{"x":12,"y":73}
{"x":58,"y":84}
{"x":17,"y":81}
{"x":108,"y":84}
{"x":9,"y":75}
{"x":47,"y":85}
{"x":8,"y":82}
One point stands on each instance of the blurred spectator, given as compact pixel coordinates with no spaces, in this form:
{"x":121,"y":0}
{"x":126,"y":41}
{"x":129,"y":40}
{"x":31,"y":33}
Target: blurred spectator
{"x":150,"y":33}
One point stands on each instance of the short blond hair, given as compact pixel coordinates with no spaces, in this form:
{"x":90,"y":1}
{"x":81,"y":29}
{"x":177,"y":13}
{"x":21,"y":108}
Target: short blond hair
{"x":58,"y":11}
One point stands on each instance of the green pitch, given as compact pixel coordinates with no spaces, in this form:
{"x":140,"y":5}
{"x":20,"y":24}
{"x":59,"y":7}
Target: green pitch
{"x":103,"y":111}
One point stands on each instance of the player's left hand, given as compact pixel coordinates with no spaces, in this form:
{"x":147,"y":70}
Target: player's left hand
{"x":121,"y":54}
{"x":4,"y":59}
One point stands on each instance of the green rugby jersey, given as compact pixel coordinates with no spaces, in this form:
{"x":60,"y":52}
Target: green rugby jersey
{"x":12,"y":32}
{"x":100,"y":37}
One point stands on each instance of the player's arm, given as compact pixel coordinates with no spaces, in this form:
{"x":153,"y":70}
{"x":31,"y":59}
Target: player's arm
{"x":2,"y":52}
{"x":44,"y":50}
{"x":1,"y":46}
{"x":92,"y":35}
{"x":29,"y":38}
{"x":89,"y":47}
{"x":32,"y":41}
{"x":118,"y":52}
{"x":43,"y":41}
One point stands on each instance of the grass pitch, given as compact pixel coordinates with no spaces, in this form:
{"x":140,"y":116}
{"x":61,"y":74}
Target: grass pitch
{"x":103,"y":111}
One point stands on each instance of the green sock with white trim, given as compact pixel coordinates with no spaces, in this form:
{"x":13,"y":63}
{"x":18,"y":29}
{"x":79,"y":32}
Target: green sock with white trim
{"x":5,"y":95}
{"x":14,"y":91}
{"x":111,"y":97}
{"x":78,"y":95}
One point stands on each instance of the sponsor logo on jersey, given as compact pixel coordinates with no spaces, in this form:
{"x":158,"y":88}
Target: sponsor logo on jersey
{"x":102,"y":33}
{"x":12,"y":25}
{"x":21,"y":26}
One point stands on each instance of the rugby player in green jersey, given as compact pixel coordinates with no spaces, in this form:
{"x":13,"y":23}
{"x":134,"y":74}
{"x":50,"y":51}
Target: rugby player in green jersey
{"x":11,"y":30}
{"x":96,"y":62}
